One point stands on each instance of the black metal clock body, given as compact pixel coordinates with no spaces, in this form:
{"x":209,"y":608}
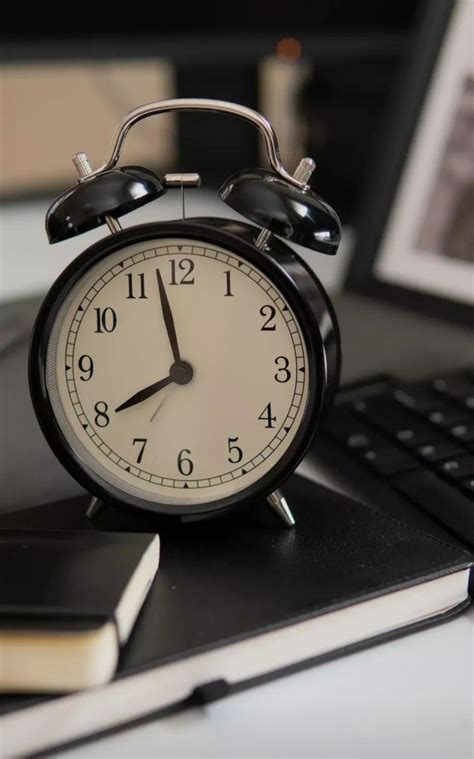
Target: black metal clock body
{"x":181,"y":368}
{"x":278,"y":265}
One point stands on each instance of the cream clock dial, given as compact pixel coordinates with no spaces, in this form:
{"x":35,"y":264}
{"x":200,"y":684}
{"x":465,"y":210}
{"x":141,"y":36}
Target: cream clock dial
{"x":177,"y":371}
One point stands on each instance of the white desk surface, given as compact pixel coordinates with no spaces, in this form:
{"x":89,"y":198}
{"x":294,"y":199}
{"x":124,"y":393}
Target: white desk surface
{"x":411,"y":698}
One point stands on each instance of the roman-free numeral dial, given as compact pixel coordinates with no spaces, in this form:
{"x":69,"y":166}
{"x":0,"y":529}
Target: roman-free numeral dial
{"x":180,"y":371}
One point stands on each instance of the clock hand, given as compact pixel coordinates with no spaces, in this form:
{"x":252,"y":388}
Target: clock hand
{"x":168,"y":317}
{"x":147,"y":392}
{"x":158,"y":407}
{"x":181,"y":373}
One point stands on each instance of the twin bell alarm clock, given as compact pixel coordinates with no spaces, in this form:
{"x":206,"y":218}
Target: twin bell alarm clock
{"x":182,"y":367}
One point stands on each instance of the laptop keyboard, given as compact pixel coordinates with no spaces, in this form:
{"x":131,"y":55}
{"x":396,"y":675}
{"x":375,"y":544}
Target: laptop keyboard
{"x":418,"y":438}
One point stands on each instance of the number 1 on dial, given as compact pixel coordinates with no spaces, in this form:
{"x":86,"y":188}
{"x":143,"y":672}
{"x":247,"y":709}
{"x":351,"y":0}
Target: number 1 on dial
{"x":228,"y":292}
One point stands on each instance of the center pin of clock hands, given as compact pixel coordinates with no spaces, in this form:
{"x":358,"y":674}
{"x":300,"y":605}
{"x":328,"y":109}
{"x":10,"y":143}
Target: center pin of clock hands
{"x":181,"y":373}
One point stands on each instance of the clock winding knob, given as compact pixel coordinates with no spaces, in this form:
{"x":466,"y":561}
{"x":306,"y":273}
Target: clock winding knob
{"x":304,"y":170}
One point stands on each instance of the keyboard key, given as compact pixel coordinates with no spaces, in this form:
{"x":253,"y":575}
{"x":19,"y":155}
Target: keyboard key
{"x":468,"y":485}
{"x":413,"y":435}
{"x":458,"y":387}
{"x":380,"y":405}
{"x":440,"y":499}
{"x":389,"y":461}
{"x":358,"y":440}
{"x":383,"y":412}
{"x":440,"y":450}
{"x":359,"y":407}
{"x":420,"y":398}
{"x":349,"y":431}
{"x":446,"y":416}
{"x":458,"y":469}
{"x":463,"y":432}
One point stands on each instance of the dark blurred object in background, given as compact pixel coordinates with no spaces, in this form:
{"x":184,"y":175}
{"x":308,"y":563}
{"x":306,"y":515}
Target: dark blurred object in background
{"x":55,"y":20}
{"x":348,"y":56}
{"x":342,"y":105}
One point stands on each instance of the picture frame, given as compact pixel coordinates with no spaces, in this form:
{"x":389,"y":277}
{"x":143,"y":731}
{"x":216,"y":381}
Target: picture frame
{"x":387,"y":262}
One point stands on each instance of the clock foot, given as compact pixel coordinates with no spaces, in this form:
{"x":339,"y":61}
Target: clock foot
{"x":94,"y":507}
{"x":279,"y":504}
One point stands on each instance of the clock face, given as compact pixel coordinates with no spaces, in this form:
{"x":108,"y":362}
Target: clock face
{"x":177,"y":372}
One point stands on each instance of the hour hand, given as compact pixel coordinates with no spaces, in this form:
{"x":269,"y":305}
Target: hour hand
{"x":147,"y":392}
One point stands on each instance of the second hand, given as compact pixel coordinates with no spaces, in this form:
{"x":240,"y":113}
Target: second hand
{"x":159,"y":406}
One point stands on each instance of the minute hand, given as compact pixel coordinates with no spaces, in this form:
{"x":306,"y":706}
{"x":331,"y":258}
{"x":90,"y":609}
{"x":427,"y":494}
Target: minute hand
{"x":168,"y":318}
{"x":147,"y":392}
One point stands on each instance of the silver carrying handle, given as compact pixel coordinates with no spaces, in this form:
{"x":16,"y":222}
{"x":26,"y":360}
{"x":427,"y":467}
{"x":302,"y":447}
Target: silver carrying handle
{"x":299,"y":179}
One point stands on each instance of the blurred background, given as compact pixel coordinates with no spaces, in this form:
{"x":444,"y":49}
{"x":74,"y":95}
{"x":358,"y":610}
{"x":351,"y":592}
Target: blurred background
{"x":380,"y":94}
{"x":321,"y":72}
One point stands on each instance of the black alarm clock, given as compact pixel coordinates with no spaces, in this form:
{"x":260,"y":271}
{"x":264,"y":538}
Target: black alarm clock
{"x":182,"y":367}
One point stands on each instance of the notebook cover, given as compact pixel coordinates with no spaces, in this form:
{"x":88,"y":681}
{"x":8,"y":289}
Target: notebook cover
{"x":231,"y":578}
{"x":54,"y":579}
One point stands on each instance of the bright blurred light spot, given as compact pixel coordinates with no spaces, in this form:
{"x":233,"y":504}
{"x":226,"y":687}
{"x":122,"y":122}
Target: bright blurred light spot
{"x":289,"y":48}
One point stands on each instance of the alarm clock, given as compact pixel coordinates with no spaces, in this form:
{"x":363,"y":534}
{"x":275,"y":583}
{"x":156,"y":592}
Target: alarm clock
{"x":182,"y":367}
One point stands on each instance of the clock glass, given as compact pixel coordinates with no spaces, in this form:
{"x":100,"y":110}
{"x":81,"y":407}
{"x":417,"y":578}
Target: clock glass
{"x":177,"y":371}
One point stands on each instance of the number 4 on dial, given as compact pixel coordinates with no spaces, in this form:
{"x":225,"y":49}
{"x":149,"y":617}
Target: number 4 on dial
{"x":266,"y":416}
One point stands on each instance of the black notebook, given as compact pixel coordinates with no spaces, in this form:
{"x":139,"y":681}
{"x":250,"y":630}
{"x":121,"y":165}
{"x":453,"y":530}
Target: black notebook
{"x":68,"y":600}
{"x":240,"y":600}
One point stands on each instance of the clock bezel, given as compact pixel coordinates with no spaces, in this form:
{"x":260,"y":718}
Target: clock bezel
{"x":298,"y":285}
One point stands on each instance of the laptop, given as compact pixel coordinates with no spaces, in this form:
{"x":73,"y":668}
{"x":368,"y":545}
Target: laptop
{"x":401,"y":434}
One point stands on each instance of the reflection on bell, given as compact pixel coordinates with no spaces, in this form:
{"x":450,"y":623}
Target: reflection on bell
{"x":270,"y":202}
{"x":110,"y":194}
